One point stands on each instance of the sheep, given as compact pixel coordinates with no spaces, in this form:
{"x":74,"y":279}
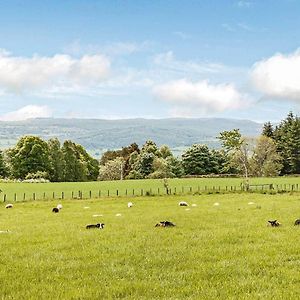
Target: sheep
{"x":55,"y":210}
{"x":274,"y":223}
{"x":99,"y":225}
{"x":183,"y":203}
{"x":9,"y":205}
{"x":297,"y":222}
{"x":59,"y":206}
{"x":129,"y":204}
{"x":165,"y":224}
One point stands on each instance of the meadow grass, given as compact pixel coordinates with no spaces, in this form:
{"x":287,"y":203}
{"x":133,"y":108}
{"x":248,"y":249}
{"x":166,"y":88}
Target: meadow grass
{"x":136,"y":187}
{"x":214,"y":252}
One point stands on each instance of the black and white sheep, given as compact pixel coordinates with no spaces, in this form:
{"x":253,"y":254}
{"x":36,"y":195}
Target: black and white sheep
{"x":274,"y":223}
{"x":99,"y":225}
{"x":165,"y":224}
{"x":9,"y":205}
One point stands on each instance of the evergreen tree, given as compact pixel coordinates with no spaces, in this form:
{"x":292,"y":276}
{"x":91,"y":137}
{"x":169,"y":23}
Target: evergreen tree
{"x":268,"y":130}
{"x":287,"y":137}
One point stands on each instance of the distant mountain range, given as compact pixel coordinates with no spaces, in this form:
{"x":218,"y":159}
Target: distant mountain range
{"x":98,"y":135}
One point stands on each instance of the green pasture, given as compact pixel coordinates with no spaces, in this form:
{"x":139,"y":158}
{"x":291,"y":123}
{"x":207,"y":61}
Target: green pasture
{"x":214,"y":252}
{"x":133,"y":187}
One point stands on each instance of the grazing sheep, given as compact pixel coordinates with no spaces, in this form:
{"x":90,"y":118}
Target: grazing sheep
{"x":9,"y":206}
{"x":297,"y":222}
{"x":99,"y":225}
{"x":274,"y":223}
{"x":59,"y":206}
{"x":129,"y":204}
{"x":55,"y":210}
{"x":165,"y":224}
{"x":183,"y":203}
{"x":216,"y":204}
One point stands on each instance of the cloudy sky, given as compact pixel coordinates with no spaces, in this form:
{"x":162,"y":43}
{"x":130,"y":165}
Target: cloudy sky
{"x":126,"y":59}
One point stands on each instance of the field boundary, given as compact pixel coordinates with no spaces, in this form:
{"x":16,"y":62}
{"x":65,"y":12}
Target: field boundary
{"x":140,"y":192}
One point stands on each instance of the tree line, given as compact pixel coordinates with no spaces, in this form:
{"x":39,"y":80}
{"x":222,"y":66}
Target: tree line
{"x":275,"y":152}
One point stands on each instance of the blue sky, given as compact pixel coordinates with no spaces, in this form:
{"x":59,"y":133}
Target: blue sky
{"x":153,"y":59}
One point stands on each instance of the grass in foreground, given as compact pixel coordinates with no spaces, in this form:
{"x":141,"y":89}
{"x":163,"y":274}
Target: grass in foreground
{"x":223,"y":252}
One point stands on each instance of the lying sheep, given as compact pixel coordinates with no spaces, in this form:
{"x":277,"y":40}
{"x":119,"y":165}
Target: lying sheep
{"x":99,"y":225}
{"x":9,"y":205}
{"x":297,"y":222}
{"x":183,"y":203}
{"x":129,"y":204}
{"x":274,"y":223}
{"x":165,"y":224}
{"x":55,"y":210}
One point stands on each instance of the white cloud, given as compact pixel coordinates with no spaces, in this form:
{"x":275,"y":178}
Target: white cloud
{"x":244,"y":4}
{"x":19,"y":74}
{"x":278,"y":76}
{"x":201,"y":96}
{"x":27,"y":112}
{"x":168,"y":61}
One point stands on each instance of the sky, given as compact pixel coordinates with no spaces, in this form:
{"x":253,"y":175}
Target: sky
{"x":149,"y":59}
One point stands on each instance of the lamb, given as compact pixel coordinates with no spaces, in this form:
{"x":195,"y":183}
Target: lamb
{"x":297,"y":222}
{"x":165,"y":224}
{"x":99,"y":225}
{"x":55,"y":210}
{"x":129,"y":204}
{"x":9,"y":206}
{"x":183,"y":203}
{"x":274,"y":223}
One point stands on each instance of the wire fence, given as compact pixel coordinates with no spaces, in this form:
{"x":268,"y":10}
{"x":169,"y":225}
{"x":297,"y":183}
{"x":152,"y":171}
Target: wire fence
{"x":183,"y":190}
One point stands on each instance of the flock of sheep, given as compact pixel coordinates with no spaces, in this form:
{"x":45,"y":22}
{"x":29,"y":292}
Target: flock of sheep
{"x":272,"y":223}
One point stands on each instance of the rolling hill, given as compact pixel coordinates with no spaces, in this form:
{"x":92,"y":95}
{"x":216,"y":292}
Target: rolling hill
{"x":97,"y":135}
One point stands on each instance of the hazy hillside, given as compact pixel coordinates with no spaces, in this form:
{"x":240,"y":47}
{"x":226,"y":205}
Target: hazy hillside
{"x":97,"y":135}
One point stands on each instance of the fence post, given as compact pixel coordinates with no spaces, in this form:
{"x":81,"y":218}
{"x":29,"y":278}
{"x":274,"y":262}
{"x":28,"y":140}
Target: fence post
{"x":44,"y":196}
{"x":126,"y":192}
{"x":191,"y":189}
{"x":142,"y":192}
{"x":90,"y":194}
{"x":182,"y":190}
{"x":4,"y":197}
{"x":72,"y":195}
{"x":33,"y":196}
{"x":157,"y":191}
{"x":53,"y":195}
{"x":132,"y":192}
{"x":107,"y":193}
{"x":99,"y":193}
{"x":117,"y":192}
{"x":175,"y":190}
{"x":24,"y":196}
{"x":15,"y":197}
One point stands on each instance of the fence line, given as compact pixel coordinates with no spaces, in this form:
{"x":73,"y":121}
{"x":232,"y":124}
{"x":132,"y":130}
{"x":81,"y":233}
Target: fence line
{"x":184,"y":190}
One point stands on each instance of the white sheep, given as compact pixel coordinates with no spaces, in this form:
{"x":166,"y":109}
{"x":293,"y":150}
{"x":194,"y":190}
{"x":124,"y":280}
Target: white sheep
{"x":129,"y":204}
{"x":183,"y":203}
{"x":9,"y":205}
{"x":59,"y":206}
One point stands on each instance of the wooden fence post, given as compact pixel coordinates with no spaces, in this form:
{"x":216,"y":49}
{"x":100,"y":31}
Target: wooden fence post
{"x":4,"y":197}
{"x":24,"y":197}
{"x":90,"y":194}
{"x":15,"y":197}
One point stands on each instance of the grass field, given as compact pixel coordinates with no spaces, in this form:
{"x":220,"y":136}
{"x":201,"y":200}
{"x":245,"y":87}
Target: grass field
{"x":136,"y":187}
{"x":214,"y":252}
